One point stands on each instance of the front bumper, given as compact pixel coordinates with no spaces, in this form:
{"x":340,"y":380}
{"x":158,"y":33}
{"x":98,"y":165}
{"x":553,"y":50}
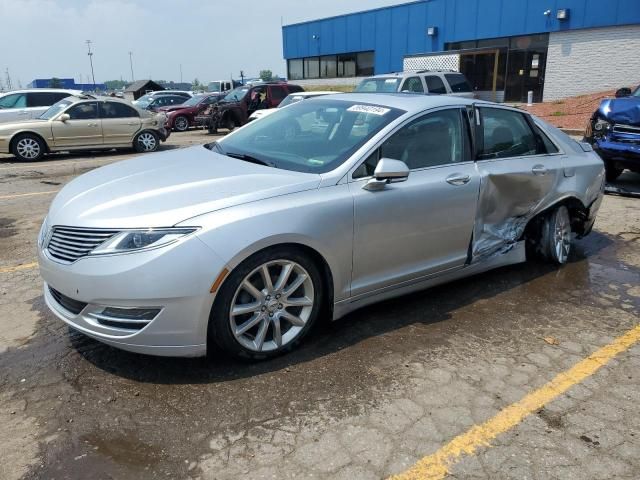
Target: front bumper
{"x":164,"y":133}
{"x":175,"y":279}
{"x":623,"y":154}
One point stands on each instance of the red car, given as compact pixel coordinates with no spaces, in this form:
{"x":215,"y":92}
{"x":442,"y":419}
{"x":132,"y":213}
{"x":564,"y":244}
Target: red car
{"x":181,"y":117}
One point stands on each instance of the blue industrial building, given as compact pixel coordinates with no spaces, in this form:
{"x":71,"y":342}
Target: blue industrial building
{"x":505,"y":47}
{"x":68,"y":83}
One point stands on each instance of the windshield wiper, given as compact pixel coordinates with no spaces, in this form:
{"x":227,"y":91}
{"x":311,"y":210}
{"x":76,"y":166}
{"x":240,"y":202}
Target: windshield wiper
{"x":240,"y":156}
{"x":249,"y":158}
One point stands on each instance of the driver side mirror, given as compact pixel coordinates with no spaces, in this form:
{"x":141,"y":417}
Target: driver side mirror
{"x":64,"y":117}
{"x":387,"y":171}
{"x":623,"y":92}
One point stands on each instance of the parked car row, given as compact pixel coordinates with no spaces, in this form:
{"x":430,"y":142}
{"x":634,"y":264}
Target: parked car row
{"x":84,"y":122}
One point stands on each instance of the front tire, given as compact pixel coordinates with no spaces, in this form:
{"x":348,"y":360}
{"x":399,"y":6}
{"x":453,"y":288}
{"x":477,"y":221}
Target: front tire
{"x":28,"y":148}
{"x":267,"y":305}
{"x":146,"y":142}
{"x":181,"y":123}
{"x":611,"y":172}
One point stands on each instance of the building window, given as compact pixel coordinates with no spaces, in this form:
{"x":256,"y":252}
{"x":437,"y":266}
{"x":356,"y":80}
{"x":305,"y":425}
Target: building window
{"x":296,"y":69}
{"x":365,"y":63}
{"x":347,"y":65}
{"x":328,"y":67}
{"x":312,"y":67}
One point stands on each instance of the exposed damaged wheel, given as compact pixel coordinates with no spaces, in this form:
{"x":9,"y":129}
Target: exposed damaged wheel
{"x":612,"y":172}
{"x":556,"y":236}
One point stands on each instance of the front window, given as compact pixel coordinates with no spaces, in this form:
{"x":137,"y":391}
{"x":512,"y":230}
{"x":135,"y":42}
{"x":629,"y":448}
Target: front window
{"x":637,"y":92}
{"x":312,"y":137}
{"x":236,"y":94}
{"x":55,"y":109}
{"x":214,"y":87}
{"x":380,"y":84}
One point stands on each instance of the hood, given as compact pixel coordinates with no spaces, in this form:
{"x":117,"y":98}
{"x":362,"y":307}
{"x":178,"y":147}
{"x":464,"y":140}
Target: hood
{"x":163,"y":189}
{"x":173,"y":108}
{"x":625,"y":111}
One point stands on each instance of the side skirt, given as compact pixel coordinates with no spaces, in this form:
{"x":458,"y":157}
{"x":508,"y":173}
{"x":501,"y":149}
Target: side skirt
{"x":517,"y":254}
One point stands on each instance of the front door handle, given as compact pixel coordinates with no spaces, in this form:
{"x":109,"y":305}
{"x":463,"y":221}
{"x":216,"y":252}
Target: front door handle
{"x":539,"y":170}
{"x":92,"y":124}
{"x":458,"y":179}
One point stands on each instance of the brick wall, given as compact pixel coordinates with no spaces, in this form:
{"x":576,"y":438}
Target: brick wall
{"x":592,"y":60}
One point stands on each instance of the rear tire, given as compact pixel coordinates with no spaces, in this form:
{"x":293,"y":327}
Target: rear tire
{"x":555,"y":238}
{"x":28,"y":147}
{"x":255,"y":318}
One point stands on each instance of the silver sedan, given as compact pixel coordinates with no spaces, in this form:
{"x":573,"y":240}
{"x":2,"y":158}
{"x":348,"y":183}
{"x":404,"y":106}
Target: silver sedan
{"x":317,"y":210}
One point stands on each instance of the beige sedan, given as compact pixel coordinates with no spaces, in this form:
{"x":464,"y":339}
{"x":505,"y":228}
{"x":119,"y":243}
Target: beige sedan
{"x":81,"y":123}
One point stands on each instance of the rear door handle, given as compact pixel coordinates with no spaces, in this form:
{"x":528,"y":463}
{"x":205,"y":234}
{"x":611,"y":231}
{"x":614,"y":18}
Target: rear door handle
{"x":458,"y":179}
{"x":539,"y":170}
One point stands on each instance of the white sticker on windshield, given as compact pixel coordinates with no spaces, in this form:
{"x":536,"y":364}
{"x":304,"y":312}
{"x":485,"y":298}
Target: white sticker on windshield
{"x":369,"y":109}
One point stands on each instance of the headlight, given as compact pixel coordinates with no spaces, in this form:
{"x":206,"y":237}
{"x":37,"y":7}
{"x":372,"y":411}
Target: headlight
{"x":44,"y":229}
{"x":601,"y":126}
{"x":132,"y":240}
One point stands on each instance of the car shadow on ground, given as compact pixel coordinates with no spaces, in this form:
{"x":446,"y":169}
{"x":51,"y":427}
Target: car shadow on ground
{"x":628,"y":184}
{"x":428,"y":307}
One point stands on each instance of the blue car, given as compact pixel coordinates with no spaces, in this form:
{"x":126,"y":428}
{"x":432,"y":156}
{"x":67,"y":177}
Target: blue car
{"x":614,"y":132}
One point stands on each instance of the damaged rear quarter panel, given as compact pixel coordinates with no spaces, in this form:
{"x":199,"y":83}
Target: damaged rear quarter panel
{"x":511,"y":194}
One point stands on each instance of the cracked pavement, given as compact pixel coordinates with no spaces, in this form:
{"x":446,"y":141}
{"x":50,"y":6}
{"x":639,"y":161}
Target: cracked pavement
{"x":365,"y":397}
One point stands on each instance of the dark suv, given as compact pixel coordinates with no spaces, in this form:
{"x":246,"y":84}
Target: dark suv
{"x":236,"y":107}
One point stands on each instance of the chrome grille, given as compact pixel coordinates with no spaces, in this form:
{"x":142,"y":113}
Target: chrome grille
{"x":626,"y":129}
{"x":68,"y":244}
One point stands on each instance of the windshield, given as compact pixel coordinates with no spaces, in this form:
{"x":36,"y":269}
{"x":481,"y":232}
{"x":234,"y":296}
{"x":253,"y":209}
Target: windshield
{"x":314,"y":136}
{"x":55,"y":109}
{"x":236,"y":94}
{"x":195,"y":100}
{"x":386,"y":85}
{"x":637,"y":92}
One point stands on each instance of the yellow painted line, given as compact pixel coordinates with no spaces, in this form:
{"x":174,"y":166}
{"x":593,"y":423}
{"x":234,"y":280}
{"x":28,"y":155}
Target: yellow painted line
{"x":436,"y":466}
{"x":24,"y":266}
{"x":18,"y":195}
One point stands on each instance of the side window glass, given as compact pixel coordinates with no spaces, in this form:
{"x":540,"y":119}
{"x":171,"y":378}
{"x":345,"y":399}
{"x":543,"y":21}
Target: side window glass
{"x":367,"y":168}
{"x":506,"y":134}
{"x":84,"y":111}
{"x":116,"y":110}
{"x":432,"y":140}
{"x":413,"y":84}
{"x":40,"y":99}
{"x":277,"y":94}
{"x":549,"y":146}
{"x":435,"y":84}
{"x":18,"y":100}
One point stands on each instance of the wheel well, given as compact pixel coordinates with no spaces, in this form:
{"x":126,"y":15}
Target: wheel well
{"x":12,"y":144}
{"x":319,"y":261}
{"x":578,"y":213}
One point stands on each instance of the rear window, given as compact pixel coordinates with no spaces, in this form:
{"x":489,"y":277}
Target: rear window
{"x":385,"y":85}
{"x":458,"y":82}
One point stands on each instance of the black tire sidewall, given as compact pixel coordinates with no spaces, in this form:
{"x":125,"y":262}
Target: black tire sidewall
{"x":611,"y":172}
{"x":219,"y":331}
{"x":14,"y":149}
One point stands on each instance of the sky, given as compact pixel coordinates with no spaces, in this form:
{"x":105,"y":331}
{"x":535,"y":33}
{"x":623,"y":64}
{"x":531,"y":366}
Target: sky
{"x":211,"y":39}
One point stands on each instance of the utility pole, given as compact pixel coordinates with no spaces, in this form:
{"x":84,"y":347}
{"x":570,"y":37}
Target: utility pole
{"x":242,"y":77}
{"x":90,"y":53}
{"x":8,"y":82}
{"x":133,"y":79}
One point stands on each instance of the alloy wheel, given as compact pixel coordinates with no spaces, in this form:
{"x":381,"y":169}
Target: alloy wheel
{"x":28,"y":148}
{"x":562,"y":236}
{"x":271,"y":306}
{"x":147,"y":141}
{"x":181,"y":124}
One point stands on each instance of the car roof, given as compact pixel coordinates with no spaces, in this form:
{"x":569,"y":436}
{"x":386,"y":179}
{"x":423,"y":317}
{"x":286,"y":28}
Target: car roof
{"x":43,"y":90}
{"x":410,"y":102}
{"x":312,"y":94}
{"x":411,"y":72}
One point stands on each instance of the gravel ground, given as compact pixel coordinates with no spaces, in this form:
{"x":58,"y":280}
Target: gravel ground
{"x":364,"y":397}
